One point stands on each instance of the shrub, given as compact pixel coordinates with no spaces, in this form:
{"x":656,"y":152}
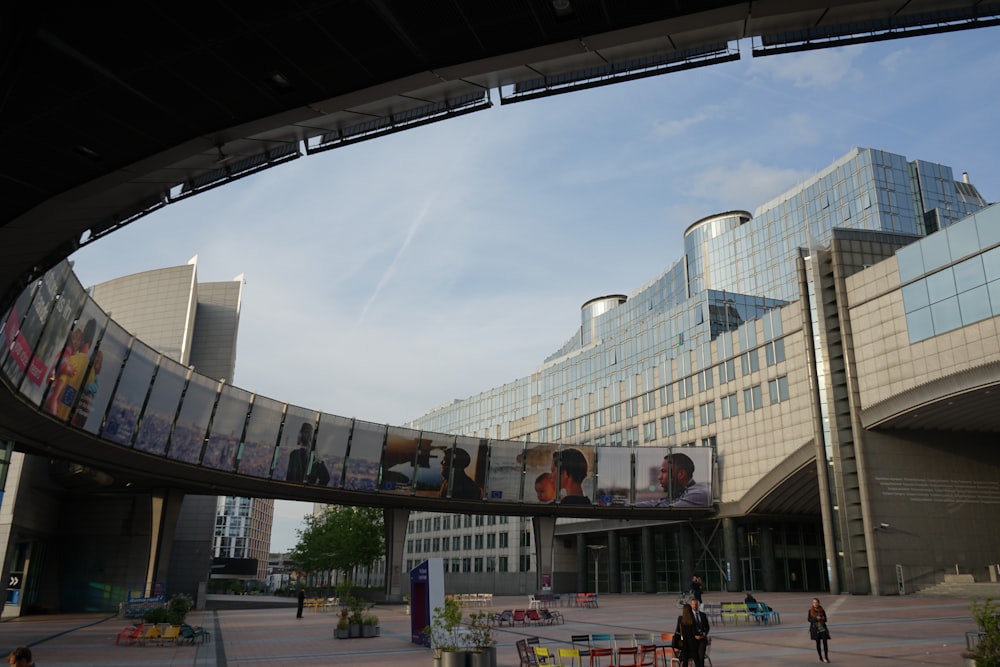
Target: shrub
{"x":987,"y":617}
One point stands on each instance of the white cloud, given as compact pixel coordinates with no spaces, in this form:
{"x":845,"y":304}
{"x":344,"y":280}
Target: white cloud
{"x":747,"y":184}
{"x":812,"y":69}
{"x":664,"y":129}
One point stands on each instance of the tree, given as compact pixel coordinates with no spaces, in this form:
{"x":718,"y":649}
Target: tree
{"x":340,"y":538}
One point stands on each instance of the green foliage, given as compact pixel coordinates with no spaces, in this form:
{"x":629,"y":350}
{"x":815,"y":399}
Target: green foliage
{"x":178,"y":608}
{"x":445,"y":628}
{"x":343,"y":623}
{"x":987,"y":616}
{"x":356,"y":608}
{"x":341,"y":538}
{"x":481,"y":630}
{"x":156,"y":615}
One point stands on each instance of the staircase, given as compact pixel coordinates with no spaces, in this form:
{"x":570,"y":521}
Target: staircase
{"x":962,"y":589}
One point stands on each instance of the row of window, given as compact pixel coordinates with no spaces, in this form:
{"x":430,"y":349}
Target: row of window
{"x":774,"y":352}
{"x":467,"y":542}
{"x":479,"y":564}
{"x":685,"y":420}
{"x":446,"y":522}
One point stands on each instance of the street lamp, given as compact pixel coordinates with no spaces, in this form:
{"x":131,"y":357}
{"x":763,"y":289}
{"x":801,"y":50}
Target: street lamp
{"x":596,"y":548}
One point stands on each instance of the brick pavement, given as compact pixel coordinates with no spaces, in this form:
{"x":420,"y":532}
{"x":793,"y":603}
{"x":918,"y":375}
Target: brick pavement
{"x":867,"y":631}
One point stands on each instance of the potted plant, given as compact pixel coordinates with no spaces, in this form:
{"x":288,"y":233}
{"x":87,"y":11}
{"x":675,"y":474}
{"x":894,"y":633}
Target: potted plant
{"x":356,"y":612}
{"x":369,"y":625}
{"x":986,"y":652}
{"x":484,"y":644}
{"x":342,"y":631}
{"x":445,"y":637}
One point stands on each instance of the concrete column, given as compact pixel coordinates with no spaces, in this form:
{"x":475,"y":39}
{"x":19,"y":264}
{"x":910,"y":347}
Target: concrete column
{"x":614,"y":563}
{"x":582,"y":559}
{"x":544,"y":528}
{"x":394,"y":524}
{"x":165,"y":507}
{"x":685,"y":544}
{"x":648,"y":560}
{"x":730,"y":545}
{"x":767,"y":570}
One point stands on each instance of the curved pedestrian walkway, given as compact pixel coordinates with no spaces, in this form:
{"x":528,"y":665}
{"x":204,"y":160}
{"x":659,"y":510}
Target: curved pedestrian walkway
{"x":867,"y":631}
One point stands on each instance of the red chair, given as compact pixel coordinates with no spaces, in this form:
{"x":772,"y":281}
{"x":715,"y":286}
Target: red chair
{"x":518,"y":618}
{"x":130,"y":634}
{"x":628,"y":656}
{"x":602,"y":657}
{"x":647,"y":655}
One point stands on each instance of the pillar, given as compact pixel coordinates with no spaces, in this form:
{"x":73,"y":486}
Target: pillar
{"x":767,"y":570}
{"x":582,"y":559}
{"x":730,"y":545}
{"x":648,"y":560}
{"x":394,"y":523}
{"x":544,"y":528}
{"x":614,"y":563}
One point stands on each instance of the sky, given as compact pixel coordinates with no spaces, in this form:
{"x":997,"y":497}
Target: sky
{"x":386,"y":278}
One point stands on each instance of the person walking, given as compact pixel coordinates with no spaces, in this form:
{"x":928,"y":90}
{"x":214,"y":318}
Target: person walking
{"x":696,"y":587}
{"x":818,"y":630}
{"x":302,"y":603}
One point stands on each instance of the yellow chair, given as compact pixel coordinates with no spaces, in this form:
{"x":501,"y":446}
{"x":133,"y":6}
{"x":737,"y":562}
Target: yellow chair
{"x":570,"y":657}
{"x":152,"y":633}
{"x":544,"y":658}
{"x":171,"y":634}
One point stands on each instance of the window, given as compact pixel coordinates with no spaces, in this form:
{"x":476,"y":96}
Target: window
{"x":685,"y":387}
{"x":616,"y":413}
{"x":466,"y":565}
{"x":467,"y":541}
{"x":750,"y":362}
{"x":478,"y":564}
{"x":479,"y":541}
{"x":502,"y":563}
{"x":491,"y":541}
{"x":455,"y":565}
{"x":730,"y":406}
{"x":687,"y":420}
{"x":437,"y":544}
{"x":479,"y":520}
{"x":444,"y":544}
{"x":456,"y":543}
{"x":705,"y":379}
{"x":416,"y":546}
{"x":468,"y":521}
{"x":427,"y":545}
{"x":631,"y":408}
{"x":632,"y":436}
{"x":707,"y":411}
{"x":525,"y":562}
{"x":649,"y":401}
{"x":409,"y":546}
{"x":666,"y":394}
{"x":446,"y":523}
{"x":437,"y":523}
{"x":503,"y":540}
{"x":615,"y":439}
{"x":649,"y":432}
{"x":526,"y":539}
{"x":778,"y":389}
{"x":775,"y":351}
{"x":752,"y":399}
{"x":667,"y":426}
{"x":584,"y":423}
{"x":727,"y":371}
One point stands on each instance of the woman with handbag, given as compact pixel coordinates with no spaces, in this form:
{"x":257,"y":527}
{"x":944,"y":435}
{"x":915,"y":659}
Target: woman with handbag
{"x":689,"y":645}
{"x":818,"y":630}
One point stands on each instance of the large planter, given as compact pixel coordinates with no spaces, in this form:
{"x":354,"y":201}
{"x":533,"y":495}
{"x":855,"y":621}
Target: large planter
{"x":341,"y":634}
{"x":354,"y":630}
{"x":369,"y":630}
{"x":483,"y":657}
{"x":454,"y":659}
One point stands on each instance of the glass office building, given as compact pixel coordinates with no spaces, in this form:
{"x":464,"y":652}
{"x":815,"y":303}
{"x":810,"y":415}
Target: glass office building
{"x":724,"y":349}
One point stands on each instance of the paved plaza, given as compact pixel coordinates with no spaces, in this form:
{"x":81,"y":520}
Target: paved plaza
{"x":866,"y":631}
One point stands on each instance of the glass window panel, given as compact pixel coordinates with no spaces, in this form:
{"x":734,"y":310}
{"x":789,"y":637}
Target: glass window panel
{"x":994,"y":290}
{"x":398,"y":460}
{"x":330,"y":452}
{"x":161,"y":407}
{"x":969,"y":274}
{"x":915,"y":296}
{"x":464,"y":469}
{"x":991,"y":263}
{"x":364,"y":456}
{"x":614,"y":476}
{"x":574,"y":469}
{"x":227,"y":428}
{"x":988,"y":225}
{"x":946,"y":315}
{"x":257,"y":452}
{"x":133,"y":385}
{"x":78,"y":376}
{"x":62,"y":347}
{"x":935,"y":250}
{"x":20,"y":355}
{"x":910,"y":262}
{"x":919,"y":325}
{"x":975,"y":305}
{"x":13,"y":319}
{"x":188,"y":437}
{"x":507,"y":460}
{"x":941,"y":285}
{"x":648,"y":461}
{"x":963,"y":239}
{"x":427,"y":470}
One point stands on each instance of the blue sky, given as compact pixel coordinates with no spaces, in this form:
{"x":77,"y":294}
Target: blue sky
{"x":388,"y":277}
